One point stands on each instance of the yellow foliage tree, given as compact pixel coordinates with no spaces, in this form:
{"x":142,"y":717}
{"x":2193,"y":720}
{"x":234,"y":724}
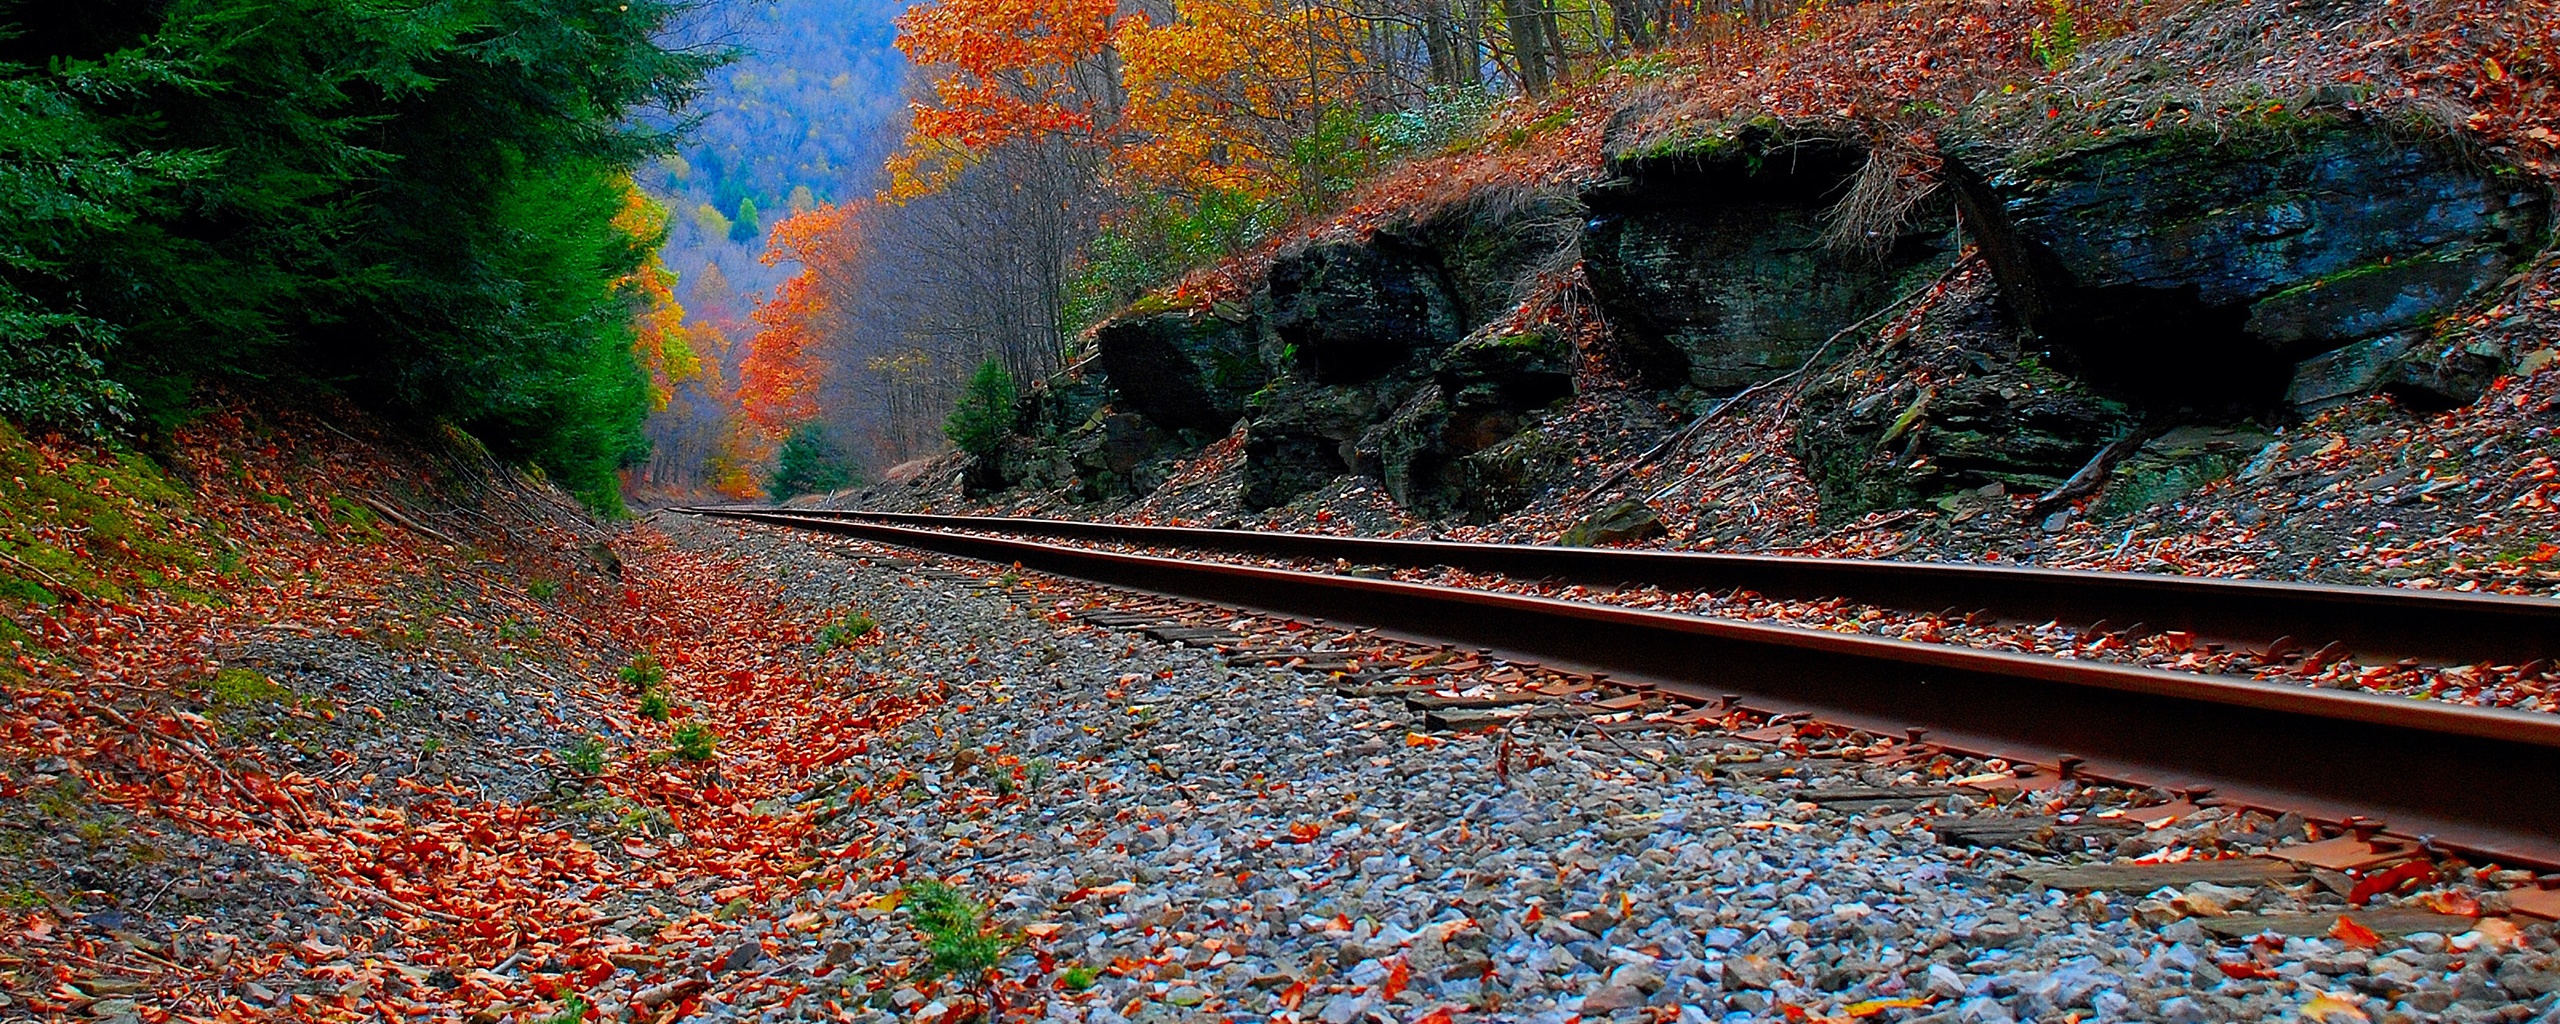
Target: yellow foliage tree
{"x":1217,"y":95}
{"x":658,"y":338}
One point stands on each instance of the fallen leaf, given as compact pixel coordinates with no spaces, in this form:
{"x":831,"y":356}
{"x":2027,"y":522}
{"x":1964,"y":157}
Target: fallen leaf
{"x":2445,"y":901}
{"x":2356,"y":935}
{"x":2328,"y":1009}
{"x":2389,"y":879}
{"x":1397,"y":978}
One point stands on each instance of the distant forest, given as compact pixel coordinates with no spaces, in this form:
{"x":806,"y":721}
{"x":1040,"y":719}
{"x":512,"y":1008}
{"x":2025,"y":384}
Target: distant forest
{"x":805,"y":116}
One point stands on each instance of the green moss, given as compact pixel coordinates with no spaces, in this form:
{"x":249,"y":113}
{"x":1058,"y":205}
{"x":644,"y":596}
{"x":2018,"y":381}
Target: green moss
{"x":1153,"y":304}
{"x":1746,"y":138}
{"x":355,"y":519}
{"x":120,"y":505}
{"x":2135,"y":491}
{"x":239,"y":687}
{"x":2364,"y":270}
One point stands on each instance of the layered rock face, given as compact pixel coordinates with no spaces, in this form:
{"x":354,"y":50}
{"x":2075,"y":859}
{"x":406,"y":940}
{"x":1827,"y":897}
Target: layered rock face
{"x":1712,"y":265}
{"x":2297,"y":262}
{"x":2135,"y":281}
{"x":1186,"y":370}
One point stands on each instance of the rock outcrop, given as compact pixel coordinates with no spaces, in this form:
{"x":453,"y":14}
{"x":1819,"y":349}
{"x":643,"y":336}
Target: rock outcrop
{"x":1185,"y":370}
{"x":1962,"y":402}
{"x":1710,"y":259}
{"x":1350,"y":312}
{"x":2219,"y":277}
{"x":2220,"y":267}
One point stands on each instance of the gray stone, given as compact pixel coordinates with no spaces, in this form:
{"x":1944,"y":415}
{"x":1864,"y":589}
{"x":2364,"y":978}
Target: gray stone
{"x":1622,"y":523}
{"x":1749,"y":972}
{"x":1343,"y":1009}
{"x":1612,"y":997}
{"x":2344,"y":373}
{"x":1711,"y":262}
{"x":2197,"y":264}
{"x":1186,"y":370}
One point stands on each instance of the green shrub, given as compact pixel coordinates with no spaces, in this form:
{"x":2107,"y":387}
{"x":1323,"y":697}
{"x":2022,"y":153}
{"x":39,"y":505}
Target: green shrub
{"x":2058,"y":40}
{"x":585,"y":757}
{"x":984,"y":415}
{"x":572,"y":1011}
{"x":957,"y":939}
{"x":694,"y":742}
{"x":653,"y":706}
{"x":643,"y":673}
{"x":810,"y":464}
{"x":845,"y":631}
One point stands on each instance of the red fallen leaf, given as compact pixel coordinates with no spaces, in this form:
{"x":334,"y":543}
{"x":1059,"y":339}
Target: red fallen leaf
{"x":2354,"y":934}
{"x":2389,"y":879}
{"x":1439,"y":1015}
{"x":2448,"y":902}
{"x":2245,"y":969}
{"x":1293,"y":995}
{"x":1305,"y":832}
{"x":1397,"y":978}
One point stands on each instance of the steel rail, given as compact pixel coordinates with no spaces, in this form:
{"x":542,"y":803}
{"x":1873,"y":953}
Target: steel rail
{"x":2480,"y":780}
{"x":2374,"y":622}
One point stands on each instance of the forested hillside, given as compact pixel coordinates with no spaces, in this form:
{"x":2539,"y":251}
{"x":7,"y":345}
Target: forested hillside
{"x":420,"y":208}
{"x":804,"y":116}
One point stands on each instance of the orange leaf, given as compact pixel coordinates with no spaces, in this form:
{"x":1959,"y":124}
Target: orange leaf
{"x":2353,"y":934}
{"x":2329,"y":1009}
{"x":2448,"y":902}
{"x":1397,"y":979}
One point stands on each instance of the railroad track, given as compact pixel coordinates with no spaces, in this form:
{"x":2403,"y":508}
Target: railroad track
{"x":2481,"y":781}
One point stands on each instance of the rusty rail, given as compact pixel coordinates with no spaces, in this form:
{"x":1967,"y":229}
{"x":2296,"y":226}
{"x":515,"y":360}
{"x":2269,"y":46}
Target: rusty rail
{"x":2480,"y":780}
{"x":2374,"y":622}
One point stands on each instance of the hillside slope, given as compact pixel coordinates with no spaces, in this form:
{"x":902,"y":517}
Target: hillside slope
{"x":2245,"y":289}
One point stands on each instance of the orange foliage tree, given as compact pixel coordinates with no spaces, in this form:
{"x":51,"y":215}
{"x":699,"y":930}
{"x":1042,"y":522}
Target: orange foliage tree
{"x":1004,"y":71}
{"x":1218,"y":94}
{"x":778,"y":381}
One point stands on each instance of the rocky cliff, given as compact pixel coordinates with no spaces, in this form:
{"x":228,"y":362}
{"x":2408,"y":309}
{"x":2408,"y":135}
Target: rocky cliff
{"x":2212,"y":278}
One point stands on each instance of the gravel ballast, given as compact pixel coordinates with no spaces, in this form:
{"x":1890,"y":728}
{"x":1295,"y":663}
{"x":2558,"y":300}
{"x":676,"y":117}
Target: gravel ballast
{"x":1214,"y":841}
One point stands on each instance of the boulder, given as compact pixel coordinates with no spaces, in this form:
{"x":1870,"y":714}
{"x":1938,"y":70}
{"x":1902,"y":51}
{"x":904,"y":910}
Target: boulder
{"x":1484,"y":392}
{"x":1490,"y":247}
{"x":1709,"y":257}
{"x":2197,"y":266}
{"x":1623,"y":523}
{"x":1185,"y":370}
{"x":1303,"y":435}
{"x":1349,"y":313}
{"x":1872,"y":435}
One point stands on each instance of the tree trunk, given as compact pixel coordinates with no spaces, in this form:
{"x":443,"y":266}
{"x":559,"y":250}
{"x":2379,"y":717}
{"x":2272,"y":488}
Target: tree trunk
{"x":1527,"y":24}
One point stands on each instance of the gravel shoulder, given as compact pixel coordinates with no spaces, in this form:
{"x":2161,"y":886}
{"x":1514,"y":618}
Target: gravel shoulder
{"x":1175,"y":838}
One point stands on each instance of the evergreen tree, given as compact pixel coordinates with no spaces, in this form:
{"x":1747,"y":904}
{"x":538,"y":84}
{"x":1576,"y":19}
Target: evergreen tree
{"x":412,"y":207}
{"x":810,"y":464}
{"x":746,"y":229}
{"x":984,"y":415}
